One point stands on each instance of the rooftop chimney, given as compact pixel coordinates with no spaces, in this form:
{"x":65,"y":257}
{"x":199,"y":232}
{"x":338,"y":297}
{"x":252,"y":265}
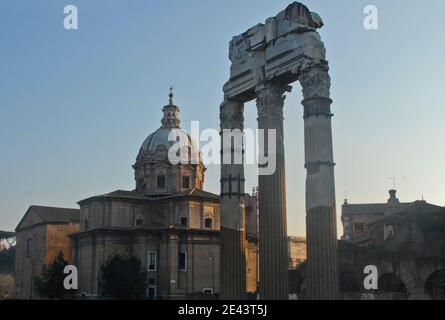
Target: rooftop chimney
{"x":393,"y":203}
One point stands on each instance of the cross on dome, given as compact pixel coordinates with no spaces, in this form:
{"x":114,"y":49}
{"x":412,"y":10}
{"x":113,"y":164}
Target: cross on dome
{"x":170,"y":100}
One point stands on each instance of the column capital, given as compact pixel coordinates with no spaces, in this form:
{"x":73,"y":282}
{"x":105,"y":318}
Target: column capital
{"x":270,"y":100}
{"x":231,"y":114}
{"x":315,"y":82}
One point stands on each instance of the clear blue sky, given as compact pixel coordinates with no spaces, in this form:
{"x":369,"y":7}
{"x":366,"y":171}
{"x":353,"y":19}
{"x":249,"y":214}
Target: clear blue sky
{"x":75,"y":106}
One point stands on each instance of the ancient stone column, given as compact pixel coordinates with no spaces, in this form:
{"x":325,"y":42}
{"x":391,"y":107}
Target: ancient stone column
{"x":273,"y":267}
{"x":321,"y":225}
{"x":233,"y":257}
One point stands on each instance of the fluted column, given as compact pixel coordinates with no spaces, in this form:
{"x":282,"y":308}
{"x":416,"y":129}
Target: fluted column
{"x":321,"y":224}
{"x":272,"y":198}
{"x":233,"y":258}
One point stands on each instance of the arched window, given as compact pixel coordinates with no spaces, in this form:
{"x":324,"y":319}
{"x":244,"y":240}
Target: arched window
{"x":208,"y":223}
{"x":435,"y":285}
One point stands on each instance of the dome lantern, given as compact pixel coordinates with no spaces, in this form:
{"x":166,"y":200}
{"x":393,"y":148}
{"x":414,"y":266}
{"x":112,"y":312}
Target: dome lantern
{"x":171,"y":113}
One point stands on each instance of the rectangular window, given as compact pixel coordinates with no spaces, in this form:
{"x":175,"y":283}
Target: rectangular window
{"x":208,"y":223}
{"x":29,"y":248}
{"x":151,"y":260}
{"x":186,"y":182}
{"x":182,"y":258}
{"x":184,"y":221}
{"x":161,"y":182}
{"x":151,"y":292}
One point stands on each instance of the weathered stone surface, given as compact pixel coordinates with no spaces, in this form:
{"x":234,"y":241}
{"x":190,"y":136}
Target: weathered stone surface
{"x":272,"y":199}
{"x":233,"y":225}
{"x":233,"y":264}
{"x":322,"y":254}
{"x":265,"y":59}
{"x":274,"y":51}
{"x":320,"y":188}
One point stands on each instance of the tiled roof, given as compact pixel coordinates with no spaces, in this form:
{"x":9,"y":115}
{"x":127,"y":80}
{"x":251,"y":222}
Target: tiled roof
{"x":124,"y":194}
{"x":421,"y":207}
{"x":52,"y":214}
{"x":199,"y":193}
{"x":133,"y":195}
{"x":415,"y":210}
{"x":369,"y":208}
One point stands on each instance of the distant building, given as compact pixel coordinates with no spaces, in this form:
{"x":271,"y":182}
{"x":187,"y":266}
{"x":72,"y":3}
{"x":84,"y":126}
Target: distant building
{"x":356,"y":217}
{"x":296,"y":251}
{"x":405,"y":241}
{"x":407,"y":246}
{"x":41,"y":234}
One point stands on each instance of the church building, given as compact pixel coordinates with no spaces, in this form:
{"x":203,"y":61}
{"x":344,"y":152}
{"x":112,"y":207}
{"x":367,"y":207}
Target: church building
{"x":168,"y":222}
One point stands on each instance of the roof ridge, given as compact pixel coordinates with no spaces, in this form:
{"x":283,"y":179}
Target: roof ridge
{"x":51,"y":207}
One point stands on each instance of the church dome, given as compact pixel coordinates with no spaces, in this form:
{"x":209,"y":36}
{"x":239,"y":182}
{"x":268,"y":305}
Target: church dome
{"x":159,"y":140}
{"x":169,"y":134}
{"x":169,"y":157}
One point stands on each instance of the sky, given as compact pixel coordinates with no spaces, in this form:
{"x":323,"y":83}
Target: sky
{"x":76,"y":105}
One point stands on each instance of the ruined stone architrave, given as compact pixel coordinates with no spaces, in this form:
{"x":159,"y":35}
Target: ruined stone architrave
{"x":265,"y":60}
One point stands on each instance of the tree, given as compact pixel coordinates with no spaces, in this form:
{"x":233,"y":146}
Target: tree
{"x":7,"y":260}
{"x":122,"y":277}
{"x":50,"y":283}
{"x":6,"y":286}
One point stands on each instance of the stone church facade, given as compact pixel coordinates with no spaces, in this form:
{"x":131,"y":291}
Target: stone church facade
{"x":169,"y":222}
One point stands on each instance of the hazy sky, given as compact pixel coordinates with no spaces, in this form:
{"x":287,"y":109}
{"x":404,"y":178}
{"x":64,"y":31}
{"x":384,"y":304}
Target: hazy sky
{"x":75,"y":106}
